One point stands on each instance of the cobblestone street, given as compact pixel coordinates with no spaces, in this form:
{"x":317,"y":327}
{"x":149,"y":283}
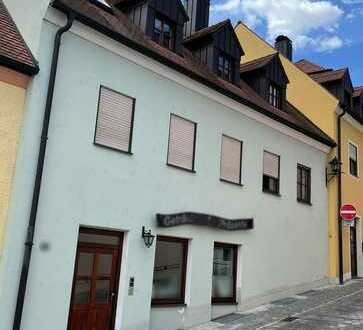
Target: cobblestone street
{"x":334,"y":307}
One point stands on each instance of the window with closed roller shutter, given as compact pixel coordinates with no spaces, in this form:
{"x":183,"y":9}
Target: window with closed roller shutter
{"x":231,"y":160}
{"x":181,"y":151}
{"x":114,"y":120}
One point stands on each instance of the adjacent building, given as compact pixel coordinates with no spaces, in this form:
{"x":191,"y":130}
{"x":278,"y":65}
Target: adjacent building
{"x":172,"y":191}
{"x":322,"y":95}
{"x":17,"y":66}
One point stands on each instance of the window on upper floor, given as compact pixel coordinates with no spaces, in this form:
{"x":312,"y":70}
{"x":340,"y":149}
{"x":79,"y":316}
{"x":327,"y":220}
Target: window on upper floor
{"x":115,"y":119}
{"x":164,"y":32}
{"x":271,"y":173}
{"x":169,"y":271}
{"x":303,"y":184}
{"x":275,"y":95}
{"x":225,"y":67}
{"x":224,"y":273}
{"x":182,"y":140}
{"x":353,"y":160}
{"x":231,"y":160}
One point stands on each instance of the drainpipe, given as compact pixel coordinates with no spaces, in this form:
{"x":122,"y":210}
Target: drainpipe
{"x":38,"y":177}
{"x":340,"y":229}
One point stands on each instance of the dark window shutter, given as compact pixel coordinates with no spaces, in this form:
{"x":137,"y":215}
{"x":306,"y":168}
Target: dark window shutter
{"x":114,"y":120}
{"x":181,"y":142}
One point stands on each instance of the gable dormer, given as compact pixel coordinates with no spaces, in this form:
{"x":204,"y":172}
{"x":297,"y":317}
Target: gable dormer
{"x":267,"y":77}
{"x":162,"y":20}
{"x":218,"y":47}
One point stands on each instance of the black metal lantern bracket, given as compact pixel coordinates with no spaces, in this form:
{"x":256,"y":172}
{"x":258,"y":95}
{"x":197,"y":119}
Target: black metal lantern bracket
{"x":335,"y":168}
{"x":148,"y":237}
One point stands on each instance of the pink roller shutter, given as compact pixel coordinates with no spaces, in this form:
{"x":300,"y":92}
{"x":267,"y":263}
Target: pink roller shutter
{"x":181,"y":142}
{"x":114,"y":121}
{"x":231,"y":158}
{"x":271,"y":164}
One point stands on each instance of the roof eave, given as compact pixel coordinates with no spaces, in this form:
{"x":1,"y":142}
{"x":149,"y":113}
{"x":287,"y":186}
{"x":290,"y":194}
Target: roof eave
{"x":19,"y":66}
{"x":154,"y":55}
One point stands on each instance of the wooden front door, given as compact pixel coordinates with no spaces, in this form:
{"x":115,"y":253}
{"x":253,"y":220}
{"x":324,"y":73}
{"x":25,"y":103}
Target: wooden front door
{"x":95,"y":282}
{"x":353,"y":251}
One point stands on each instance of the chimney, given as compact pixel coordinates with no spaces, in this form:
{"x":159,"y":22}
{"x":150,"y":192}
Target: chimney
{"x":284,"y":46}
{"x":198,"y":12}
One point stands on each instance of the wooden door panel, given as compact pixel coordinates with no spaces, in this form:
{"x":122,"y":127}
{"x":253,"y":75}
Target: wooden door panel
{"x":94,"y":286}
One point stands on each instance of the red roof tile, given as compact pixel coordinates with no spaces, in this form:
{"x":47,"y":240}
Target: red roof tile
{"x":328,"y":75}
{"x":118,"y":27}
{"x":14,"y":52}
{"x":308,"y":67}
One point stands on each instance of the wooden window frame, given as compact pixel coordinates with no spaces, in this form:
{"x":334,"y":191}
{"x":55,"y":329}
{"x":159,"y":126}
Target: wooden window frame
{"x":233,"y":299}
{"x":275,"y":99}
{"x":191,"y":170}
{"x":178,"y":301}
{"x":239,"y":183}
{"x":355,"y":173}
{"x":300,"y":185}
{"x":269,"y":191}
{"x":221,"y":71}
{"x":164,"y":20}
{"x":129,"y":151}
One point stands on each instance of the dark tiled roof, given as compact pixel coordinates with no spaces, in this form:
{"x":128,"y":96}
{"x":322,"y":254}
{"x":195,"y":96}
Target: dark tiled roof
{"x":207,"y":31}
{"x":358,"y":91}
{"x":309,"y":67}
{"x":14,"y":52}
{"x":257,"y":64}
{"x":328,"y":75}
{"x":119,"y":28}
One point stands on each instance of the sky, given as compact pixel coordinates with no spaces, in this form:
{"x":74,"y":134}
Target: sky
{"x":327,"y":32}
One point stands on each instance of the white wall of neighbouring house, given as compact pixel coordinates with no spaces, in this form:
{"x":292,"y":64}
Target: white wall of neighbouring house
{"x":28,"y":17}
{"x":87,"y":185}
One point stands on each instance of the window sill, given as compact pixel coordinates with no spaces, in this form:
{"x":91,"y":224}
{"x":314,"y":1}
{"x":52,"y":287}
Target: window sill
{"x":167,"y":305}
{"x":304,"y":202}
{"x":181,"y":168}
{"x":231,"y":182}
{"x":276,"y":194}
{"x":113,"y":149}
{"x":225,"y":303}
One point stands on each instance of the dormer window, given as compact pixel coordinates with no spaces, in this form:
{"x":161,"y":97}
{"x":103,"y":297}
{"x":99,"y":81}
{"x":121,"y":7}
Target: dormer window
{"x":275,"y":95}
{"x":164,"y":32}
{"x":225,"y":67}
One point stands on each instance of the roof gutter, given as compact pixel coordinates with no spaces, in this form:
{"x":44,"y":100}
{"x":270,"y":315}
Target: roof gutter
{"x":339,"y":204}
{"x":18,"y":66}
{"x":38,"y":177}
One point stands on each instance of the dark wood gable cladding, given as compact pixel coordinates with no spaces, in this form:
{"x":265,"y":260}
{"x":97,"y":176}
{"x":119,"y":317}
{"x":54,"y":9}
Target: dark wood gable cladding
{"x":210,"y":43}
{"x":144,"y":13}
{"x":261,"y":73}
{"x":358,"y":103}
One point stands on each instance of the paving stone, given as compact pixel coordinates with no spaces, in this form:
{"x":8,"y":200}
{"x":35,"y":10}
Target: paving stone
{"x":328,"y":308}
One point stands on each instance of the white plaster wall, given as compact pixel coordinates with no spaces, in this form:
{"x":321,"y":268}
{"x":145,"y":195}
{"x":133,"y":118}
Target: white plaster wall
{"x":28,"y":16}
{"x":88,"y":185}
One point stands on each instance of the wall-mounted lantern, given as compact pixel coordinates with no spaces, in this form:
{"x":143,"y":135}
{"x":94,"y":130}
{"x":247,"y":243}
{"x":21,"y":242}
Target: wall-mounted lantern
{"x":148,"y":237}
{"x":335,"y":168}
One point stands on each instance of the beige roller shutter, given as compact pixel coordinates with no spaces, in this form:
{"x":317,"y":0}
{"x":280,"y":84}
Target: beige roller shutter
{"x":271,"y":165}
{"x":181,"y":142}
{"x":231,"y":158}
{"x":115,"y":120}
